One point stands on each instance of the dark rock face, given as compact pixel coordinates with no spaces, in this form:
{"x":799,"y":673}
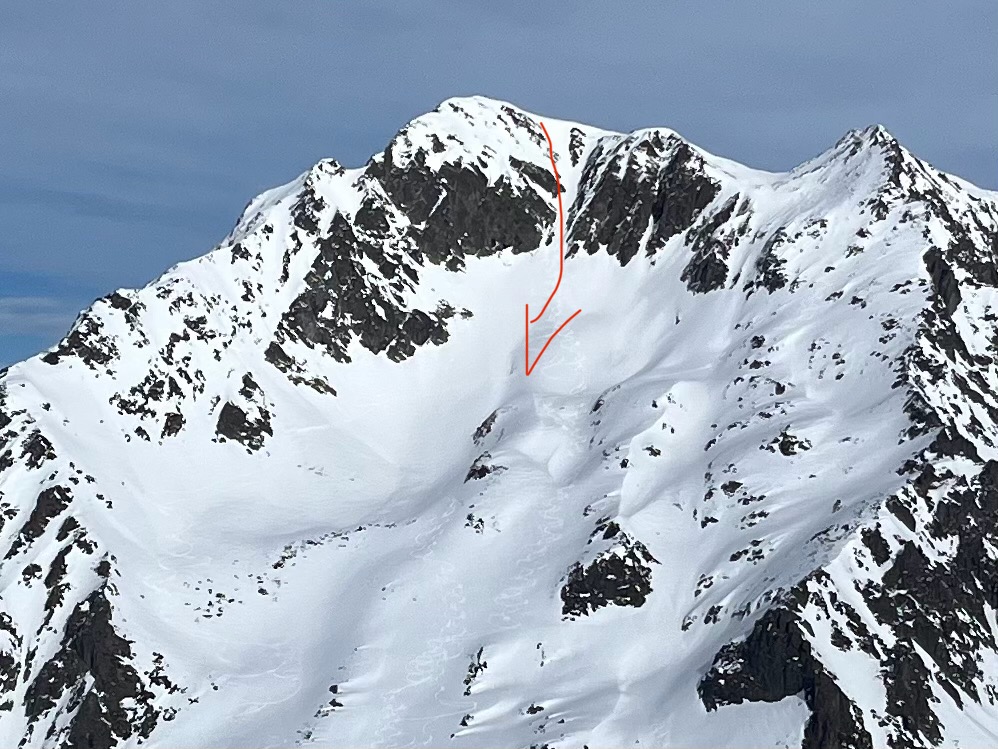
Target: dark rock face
{"x":787,"y":444}
{"x":475,"y":668}
{"x":305,"y":211}
{"x":86,"y":342}
{"x":670,"y":194}
{"x":775,"y":662}
{"x":107,"y":698}
{"x":978,"y":259}
{"x":50,"y":503}
{"x":770,"y":266}
{"x":455,"y":212}
{"x":294,"y":370}
{"x":943,"y":280}
{"x":249,"y":424}
{"x":234,"y":424}
{"x":576,"y":145}
{"x":36,"y":450}
{"x":342,"y":301}
{"x":173,"y":424}
{"x":482,"y":468}
{"x":619,"y":576}
{"x":708,"y":270}
{"x":5,"y":418}
{"x":130,"y":307}
{"x":485,"y":428}
{"x":909,"y":697}
{"x":10,"y":667}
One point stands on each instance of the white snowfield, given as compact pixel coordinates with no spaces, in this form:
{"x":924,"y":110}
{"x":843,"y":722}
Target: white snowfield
{"x":381,"y":551}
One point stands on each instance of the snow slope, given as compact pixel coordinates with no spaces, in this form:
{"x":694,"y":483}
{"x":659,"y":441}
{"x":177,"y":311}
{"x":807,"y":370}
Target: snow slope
{"x":299,"y":491}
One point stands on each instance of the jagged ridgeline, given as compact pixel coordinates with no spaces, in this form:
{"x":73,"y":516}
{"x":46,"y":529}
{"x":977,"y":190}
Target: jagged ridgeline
{"x":298,"y":492}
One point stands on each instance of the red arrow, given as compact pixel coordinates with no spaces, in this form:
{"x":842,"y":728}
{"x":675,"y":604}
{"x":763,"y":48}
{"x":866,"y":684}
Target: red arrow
{"x":561,"y":271}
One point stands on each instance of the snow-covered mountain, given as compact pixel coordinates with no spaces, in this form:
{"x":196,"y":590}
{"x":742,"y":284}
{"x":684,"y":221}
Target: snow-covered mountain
{"x":299,"y":491}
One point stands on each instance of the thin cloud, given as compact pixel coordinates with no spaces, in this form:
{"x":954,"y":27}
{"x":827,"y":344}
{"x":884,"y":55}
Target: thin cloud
{"x":35,"y":315}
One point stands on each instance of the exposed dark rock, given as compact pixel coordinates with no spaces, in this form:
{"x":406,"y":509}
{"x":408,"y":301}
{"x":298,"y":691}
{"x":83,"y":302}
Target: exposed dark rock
{"x":69,"y":525}
{"x":249,"y":389}
{"x":485,"y":427}
{"x":295,"y":371}
{"x":669,"y":196}
{"x":306,"y":209}
{"x":130,"y":307}
{"x":86,"y":342}
{"x":50,"y":503}
{"x":775,"y":662}
{"x":978,"y":259}
{"x":787,"y":444}
{"x":5,"y":418}
{"x":731,"y":487}
{"x":54,"y":582}
{"x":117,"y":301}
{"x":239,"y":252}
{"x":610,"y":531}
{"x":342,"y":303}
{"x":543,"y":178}
{"x":234,"y":424}
{"x":575,"y":145}
{"x":172,"y":424}
{"x":456,"y":212}
{"x":770,"y":267}
{"x":943,"y":280}
{"x":940,"y":607}
{"x":708,"y":269}
{"x":36,"y":450}
{"x":620,"y":576}
{"x":925,"y":602}
{"x":475,"y":669}
{"x":482,"y":468}
{"x":909,"y":696}
{"x":157,"y":386}
{"x":106,"y":696}
{"x":10,"y":666}
{"x":278,"y":357}
{"x":877,"y":545}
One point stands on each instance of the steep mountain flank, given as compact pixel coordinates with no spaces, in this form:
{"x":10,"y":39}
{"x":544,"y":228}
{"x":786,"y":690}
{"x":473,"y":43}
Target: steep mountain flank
{"x":298,"y":491}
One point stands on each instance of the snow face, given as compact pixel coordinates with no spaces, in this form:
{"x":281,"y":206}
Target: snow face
{"x":299,"y":492}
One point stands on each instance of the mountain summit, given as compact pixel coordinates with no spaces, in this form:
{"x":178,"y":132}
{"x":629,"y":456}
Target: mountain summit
{"x":299,"y":492}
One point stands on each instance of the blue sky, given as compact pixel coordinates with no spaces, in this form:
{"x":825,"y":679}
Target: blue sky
{"x":133,"y":134}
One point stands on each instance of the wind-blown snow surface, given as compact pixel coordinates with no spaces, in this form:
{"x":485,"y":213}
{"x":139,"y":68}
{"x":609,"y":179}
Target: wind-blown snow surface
{"x":299,"y":491}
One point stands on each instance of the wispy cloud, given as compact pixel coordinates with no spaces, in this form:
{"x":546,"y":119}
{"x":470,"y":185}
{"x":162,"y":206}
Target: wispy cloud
{"x":35,"y":315}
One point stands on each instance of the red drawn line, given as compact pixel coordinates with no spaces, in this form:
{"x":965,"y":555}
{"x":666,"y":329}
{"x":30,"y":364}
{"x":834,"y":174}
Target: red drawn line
{"x":530,"y":367}
{"x":527,"y":321}
{"x":561,"y":226}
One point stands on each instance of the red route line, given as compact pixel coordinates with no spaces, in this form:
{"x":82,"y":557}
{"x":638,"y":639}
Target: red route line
{"x":561,"y":271}
{"x":561,"y":226}
{"x":530,"y":367}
